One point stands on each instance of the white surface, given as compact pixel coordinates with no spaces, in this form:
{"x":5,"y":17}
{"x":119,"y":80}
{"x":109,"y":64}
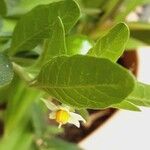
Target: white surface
{"x":126,"y":130}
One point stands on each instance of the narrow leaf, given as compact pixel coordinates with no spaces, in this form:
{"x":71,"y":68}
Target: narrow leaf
{"x":6,"y":70}
{"x":134,"y":44}
{"x":85,"y":81}
{"x":38,"y":24}
{"x":141,"y":95}
{"x":108,"y":8}
{"x":19,"y":138}
{"x":20,"y":100}
{"x":58,"y":144}
{"x":3,"y":9}
{"x":56,"y":45}
{"x":112,"y":45}
{"x":126,"y":105}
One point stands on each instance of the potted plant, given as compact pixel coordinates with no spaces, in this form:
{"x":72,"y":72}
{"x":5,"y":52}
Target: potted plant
{"x":64,"y":54}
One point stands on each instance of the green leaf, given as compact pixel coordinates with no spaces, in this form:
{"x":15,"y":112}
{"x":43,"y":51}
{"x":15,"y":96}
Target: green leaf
{"x":139,"y":26}
{"x":38,"y":121}
{"x":112,"y":45}
{"x":58,"y":144}
{"x":19,"y":7}
{"x":6,"y":70}
{"x":20,"y":100}
{"x":41,"y":127}
{"x":3,"y":93}
{"x":78,"y":44}
{"x":56,"y":45}
{"x":140,"y":31}
{"x":24,"y":142}
{"x":7,"y":27}
{"x":71,"y":45}
{"x":85,"y":81}
{"x":126,"y":105}
{"x":2,"y":8}
{"x":19,"y":138}
{"x":134,"y":44}
{"x":140,"y":95}
{"x":142,"y":35}
{"x":38,"y":24}
{"x":108,"y":9}
{"x":4,"y":45}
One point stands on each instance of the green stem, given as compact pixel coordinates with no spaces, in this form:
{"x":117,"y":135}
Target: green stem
{"x":22,"y":73}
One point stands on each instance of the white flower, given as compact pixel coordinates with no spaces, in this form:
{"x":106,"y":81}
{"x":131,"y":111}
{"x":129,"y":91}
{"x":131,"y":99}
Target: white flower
{"x":63,"y":114}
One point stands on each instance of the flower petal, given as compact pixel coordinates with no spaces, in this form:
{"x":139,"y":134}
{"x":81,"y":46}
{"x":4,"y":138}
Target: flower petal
{"x":67,"y":107}
{"x":60,"y":107}
{"x":74,"y":121}
{"x":52,"y":115}
{"x":49,"y":104}
{"x":77,"y":117}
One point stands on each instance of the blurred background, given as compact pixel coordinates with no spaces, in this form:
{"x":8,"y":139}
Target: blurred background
{"x":24,"y":124}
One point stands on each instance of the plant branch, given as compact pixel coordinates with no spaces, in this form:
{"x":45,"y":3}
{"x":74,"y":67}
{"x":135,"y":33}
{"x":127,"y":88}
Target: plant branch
{"x":20,"y":71}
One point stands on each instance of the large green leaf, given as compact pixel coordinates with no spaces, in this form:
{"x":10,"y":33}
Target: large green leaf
{"x":6,"y":70}
{"x":85,"y":81}
{"x":70,"y":45}
{"x":112,"y":45}
{"x":38,"y":24}
{"x":56,"y":45}
{"x":20,"y":7}
{"x":140,"y":95}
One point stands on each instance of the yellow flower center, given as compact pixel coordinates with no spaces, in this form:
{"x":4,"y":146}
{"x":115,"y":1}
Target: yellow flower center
{"x":62,"y":116}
